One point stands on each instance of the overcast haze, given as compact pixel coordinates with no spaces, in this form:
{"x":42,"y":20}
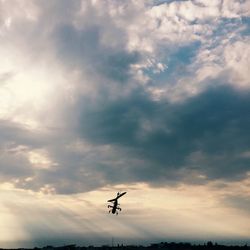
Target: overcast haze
{"x":148,"y":97}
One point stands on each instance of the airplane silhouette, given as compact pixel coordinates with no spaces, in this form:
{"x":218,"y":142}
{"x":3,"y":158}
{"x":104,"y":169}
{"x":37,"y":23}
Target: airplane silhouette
{"x":115,"y":206}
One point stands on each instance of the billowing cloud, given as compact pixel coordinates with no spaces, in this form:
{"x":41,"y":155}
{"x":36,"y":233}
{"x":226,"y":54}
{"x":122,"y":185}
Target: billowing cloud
{"x":100,"y":101}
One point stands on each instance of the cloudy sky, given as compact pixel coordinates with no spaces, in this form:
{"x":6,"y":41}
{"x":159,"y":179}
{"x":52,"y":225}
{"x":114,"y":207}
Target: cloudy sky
{"x":149,"y":97}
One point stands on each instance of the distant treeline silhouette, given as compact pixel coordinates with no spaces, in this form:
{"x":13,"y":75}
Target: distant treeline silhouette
{"x":156,"y":246}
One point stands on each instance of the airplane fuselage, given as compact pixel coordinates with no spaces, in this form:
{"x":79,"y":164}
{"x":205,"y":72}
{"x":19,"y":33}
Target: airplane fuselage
{"x":114,"y":207}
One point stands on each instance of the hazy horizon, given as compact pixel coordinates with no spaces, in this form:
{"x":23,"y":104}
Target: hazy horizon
{"x":57,"y":242}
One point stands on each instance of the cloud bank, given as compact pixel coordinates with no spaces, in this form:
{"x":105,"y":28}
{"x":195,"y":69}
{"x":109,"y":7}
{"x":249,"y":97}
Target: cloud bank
{"x":103,"y":93}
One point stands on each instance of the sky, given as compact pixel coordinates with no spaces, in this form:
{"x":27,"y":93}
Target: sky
{"x":148,"y":97}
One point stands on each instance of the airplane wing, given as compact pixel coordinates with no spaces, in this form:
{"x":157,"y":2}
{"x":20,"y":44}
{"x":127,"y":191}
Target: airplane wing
{"x":120,"y":195}
{"x":111,"y":200}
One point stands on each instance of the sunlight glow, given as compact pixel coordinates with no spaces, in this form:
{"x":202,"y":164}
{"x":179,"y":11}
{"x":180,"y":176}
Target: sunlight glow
{"x":40,"y":159}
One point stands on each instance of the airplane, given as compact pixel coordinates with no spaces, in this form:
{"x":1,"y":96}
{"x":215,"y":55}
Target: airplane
{"x":115,"y":206}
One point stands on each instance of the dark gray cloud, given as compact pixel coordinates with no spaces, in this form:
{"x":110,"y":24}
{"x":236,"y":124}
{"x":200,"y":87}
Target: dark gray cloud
{"x":206,"y":134}
{"x":148,"y":141}
{"x":13,"y":164}
{"x":84,"y":50}
{"x":16,"y":134}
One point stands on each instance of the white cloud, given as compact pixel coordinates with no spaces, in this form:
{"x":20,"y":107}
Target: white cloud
{"x":237,"y":61}
{"x":40,"y":159}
